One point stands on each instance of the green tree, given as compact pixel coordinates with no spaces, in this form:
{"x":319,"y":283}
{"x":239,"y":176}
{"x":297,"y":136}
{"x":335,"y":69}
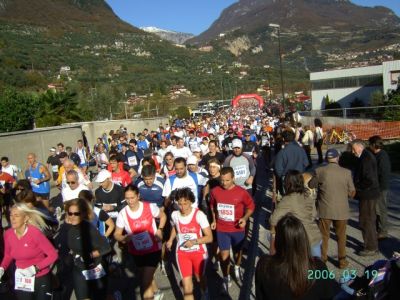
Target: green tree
{"x":393,"y":114}
{"x":182,"y":112}
{"x":58,"y":108}
{"x":377,"y":98}
{"x":17,"y":110}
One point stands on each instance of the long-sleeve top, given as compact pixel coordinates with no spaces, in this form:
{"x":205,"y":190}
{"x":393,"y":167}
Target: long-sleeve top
{"x":83,"y":239}
{"x":303,"y":207}
{"x":366,"y":177}
{"x":292,"y":157}
{"x":384,"y":169}
{"x":33,"y":248}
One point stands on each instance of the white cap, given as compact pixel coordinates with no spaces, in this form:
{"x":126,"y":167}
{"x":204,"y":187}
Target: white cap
{"x":236,"y":143}
{"x":192,"y":160}
{"x":196,"y":149}
{"x":102,"y":176}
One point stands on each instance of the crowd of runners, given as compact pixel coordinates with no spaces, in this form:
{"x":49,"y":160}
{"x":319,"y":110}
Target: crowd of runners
{"x":183,"y":195}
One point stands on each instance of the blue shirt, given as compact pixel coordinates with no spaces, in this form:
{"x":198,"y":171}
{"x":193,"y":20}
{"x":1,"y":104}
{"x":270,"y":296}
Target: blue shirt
{"x":152,"y":194}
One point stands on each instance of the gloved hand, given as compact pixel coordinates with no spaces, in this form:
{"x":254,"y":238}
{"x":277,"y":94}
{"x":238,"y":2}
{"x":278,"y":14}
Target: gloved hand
{"x":1,"y":272}
{"x":28,"y":272}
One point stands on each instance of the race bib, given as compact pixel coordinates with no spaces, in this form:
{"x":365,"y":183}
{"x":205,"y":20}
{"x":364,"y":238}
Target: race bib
{"x":142,"y":241}
{"x":33,"y":183}
{"x":240,"y":171}
{"x":54,"y":169}
{"x":23,"y":283}
{"x":112,"y":214}
{"x":132,"y":161}
{"x":183,"y":237}
{"x":226,"y":212}
{"x":94,"y":273}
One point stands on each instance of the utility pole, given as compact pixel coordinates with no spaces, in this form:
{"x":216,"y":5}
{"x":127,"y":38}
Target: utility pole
{"x":278,"y":27}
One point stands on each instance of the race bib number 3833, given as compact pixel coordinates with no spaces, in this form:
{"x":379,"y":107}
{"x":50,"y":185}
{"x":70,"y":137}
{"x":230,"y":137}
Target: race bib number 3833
{"x":226,"y":212}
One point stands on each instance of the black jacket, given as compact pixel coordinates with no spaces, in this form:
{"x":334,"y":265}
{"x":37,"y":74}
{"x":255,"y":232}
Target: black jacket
{"x":366,"y":177}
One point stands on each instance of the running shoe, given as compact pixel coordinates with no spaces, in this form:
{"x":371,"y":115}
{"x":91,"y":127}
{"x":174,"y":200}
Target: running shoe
{"x":226,"y":284}
{"x":216,"y":266}
{"x":158,"y":295}
{"x":162,"y":268}
{"x":238,"y":273}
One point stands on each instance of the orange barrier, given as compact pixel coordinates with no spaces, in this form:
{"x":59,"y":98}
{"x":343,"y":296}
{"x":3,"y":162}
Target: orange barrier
{"x":386,"y":130}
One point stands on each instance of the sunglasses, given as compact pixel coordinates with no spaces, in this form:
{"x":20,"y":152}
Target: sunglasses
{"x":76,"y":214}
{"x":71,"y":182}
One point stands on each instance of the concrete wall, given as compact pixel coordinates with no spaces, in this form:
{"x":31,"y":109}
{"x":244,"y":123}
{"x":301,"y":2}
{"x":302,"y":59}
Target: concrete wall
{"x":16,"y":145}
{"x":93,"y":130}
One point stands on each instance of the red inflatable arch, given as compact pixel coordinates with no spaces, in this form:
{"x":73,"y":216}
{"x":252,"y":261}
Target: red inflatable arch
{"x":235,"y":102}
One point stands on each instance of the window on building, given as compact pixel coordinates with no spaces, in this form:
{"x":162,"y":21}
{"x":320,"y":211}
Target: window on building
{"x":347,"y":82}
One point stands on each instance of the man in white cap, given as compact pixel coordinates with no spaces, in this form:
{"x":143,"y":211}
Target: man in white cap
{"x":109,"y":196}
{"x":242,"y":165}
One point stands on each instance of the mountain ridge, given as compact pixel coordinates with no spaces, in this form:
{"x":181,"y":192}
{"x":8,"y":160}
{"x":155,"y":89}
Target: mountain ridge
{"x":302,"y":15}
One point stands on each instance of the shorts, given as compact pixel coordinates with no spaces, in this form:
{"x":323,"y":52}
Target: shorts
{"x":226,"y":240}
{"x":190,"y":264}
{"x":55,"y":176}
{"x":147,"y":260}
{"x":44,"y":196}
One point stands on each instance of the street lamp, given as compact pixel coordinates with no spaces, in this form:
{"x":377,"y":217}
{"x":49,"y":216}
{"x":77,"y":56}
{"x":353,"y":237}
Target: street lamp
{"x":277,"y":26}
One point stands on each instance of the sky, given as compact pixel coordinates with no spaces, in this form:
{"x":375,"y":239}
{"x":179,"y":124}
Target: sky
{"x":191,"y":16}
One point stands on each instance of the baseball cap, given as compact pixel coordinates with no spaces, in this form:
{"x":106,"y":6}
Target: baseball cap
{"x":52,"y":149}
{"x":196,"y":149}
{"x":236,"y":143}
{"x":192,"y":160}
{"x":246,"y":132}
{"x":331,"y":153}
{"x":102,"y":176}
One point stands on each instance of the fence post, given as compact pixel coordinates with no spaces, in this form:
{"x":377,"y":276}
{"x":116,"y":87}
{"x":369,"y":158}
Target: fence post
{"x":344,"y":113}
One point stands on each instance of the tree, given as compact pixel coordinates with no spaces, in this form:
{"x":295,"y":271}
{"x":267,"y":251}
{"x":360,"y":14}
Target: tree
{"x":393,"y":114}
{"x":182,"y":112}
{"x":17,"y":110}
{"x":58,"y":108}
{"x":377,"y":98}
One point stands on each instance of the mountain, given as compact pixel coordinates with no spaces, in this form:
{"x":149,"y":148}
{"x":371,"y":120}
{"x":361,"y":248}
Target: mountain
{"x":169,"y":35}
{"x":313,"y":32}
{"x":84,"y":44}
{"x":66,"y":14}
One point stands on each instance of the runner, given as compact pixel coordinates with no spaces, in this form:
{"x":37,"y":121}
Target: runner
{"x":231,"y":207}
{"x":191,"y":227}
{"x":87,"y":247}
{"x":32,"y":252}
{"x":53,"y":163}
{"x":118,"y":174}
{"x":137,"y":219}
{"x":39,"y":177}
{"x":242,"y":164}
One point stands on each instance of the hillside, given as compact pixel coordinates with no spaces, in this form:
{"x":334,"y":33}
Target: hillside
{"x":41,"y":39}
{"x":315,"y":34}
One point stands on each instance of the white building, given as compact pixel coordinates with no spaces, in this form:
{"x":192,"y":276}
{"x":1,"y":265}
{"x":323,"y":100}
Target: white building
{"x":345,"y":85}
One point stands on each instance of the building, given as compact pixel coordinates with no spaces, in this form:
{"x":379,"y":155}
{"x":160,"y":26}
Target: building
{"x":345,"y":85}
